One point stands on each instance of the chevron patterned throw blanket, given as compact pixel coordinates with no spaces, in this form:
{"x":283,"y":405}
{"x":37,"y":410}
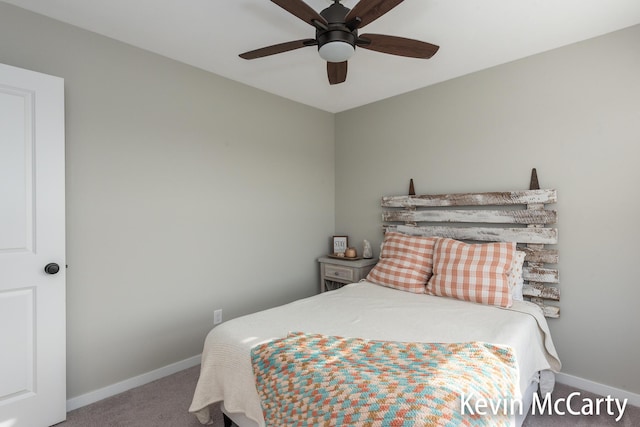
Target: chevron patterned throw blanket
{"x":318,"y":380}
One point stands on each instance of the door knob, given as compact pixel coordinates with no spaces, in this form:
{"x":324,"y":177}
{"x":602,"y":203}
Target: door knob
{"x":51,"y":268}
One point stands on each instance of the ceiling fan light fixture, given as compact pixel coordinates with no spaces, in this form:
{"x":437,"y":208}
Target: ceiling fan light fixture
{"x":337,"y":44}
{"x":336,"y":51}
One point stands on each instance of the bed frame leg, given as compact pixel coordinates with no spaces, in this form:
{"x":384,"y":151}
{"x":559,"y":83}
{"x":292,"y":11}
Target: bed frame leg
{"x":227,"y":421}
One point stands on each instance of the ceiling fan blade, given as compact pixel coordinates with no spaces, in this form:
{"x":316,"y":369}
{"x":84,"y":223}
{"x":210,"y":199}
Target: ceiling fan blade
{"x":277,"y":48}
{"x":370,"y":10}
{"x":337,"y":72}
{"x":301,"y":10}
{"x":397,"y":46}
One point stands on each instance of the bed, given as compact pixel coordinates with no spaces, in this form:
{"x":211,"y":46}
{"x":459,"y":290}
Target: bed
{"x":392,"y":319}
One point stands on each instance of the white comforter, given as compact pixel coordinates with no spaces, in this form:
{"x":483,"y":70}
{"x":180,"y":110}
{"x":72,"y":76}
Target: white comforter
{"x":368,"y":311}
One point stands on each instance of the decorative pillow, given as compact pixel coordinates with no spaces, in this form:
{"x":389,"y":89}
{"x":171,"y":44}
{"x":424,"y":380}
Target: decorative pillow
{"x":405,"y":263}
{"x":515,"y":276}
{"x":472,"y":272}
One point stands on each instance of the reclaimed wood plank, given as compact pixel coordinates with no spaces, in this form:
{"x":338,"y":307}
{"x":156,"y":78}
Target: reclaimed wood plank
{"x":482,"y":234}
{"x":538,"y":274}
{"x":540,"y":255}
{"x":550,"y":311}
{"x":504,"y":198}
{"x":540,"y":290}
{"x":473,"y":216}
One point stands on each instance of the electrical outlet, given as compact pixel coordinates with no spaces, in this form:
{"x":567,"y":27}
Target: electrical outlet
{"x":217,"y":316}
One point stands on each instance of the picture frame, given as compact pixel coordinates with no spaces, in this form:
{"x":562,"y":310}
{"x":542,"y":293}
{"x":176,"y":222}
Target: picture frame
{"x":340,"y":244}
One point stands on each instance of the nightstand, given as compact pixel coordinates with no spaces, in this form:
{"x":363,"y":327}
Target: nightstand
{"x":335,"y":273}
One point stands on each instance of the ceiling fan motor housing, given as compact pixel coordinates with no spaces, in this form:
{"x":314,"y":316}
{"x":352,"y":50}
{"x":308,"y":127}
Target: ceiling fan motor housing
{"x":337,"y":30}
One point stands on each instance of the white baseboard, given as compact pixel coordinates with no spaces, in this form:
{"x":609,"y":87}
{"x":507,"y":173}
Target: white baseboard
{"x":122,"y":386}
{"x":597,"y":388}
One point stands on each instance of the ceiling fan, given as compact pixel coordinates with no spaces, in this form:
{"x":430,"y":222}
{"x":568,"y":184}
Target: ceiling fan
{"x":337,"y":35}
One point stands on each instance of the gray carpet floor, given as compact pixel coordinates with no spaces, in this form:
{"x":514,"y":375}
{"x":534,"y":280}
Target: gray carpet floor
{"x":165,"y":403}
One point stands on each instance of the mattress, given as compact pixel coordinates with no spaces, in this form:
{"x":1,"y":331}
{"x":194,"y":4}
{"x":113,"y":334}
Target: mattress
{"x":370,"y":311}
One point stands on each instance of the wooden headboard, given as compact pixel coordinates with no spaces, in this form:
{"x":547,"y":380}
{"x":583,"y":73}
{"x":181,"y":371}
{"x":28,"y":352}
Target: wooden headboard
{"x":512,"y":216}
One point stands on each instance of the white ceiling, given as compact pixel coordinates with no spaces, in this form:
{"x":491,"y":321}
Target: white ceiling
{"x":472,"y":35}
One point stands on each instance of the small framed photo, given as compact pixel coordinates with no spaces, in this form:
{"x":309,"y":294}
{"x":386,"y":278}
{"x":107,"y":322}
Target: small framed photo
{"x":340,"y":244}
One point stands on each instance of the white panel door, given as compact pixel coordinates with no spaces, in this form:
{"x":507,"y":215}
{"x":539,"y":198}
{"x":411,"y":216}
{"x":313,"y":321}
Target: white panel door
{"x":32,"y":236}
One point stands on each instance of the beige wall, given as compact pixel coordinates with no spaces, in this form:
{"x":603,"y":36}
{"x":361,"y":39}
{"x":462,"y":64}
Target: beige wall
{"x":186,"y":192}
{"x":574,"y":114}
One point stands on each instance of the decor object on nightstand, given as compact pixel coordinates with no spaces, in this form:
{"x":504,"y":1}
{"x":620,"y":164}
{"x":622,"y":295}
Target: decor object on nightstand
{"x":366,"y":251}
{"x":340,"y":244}
{"x":335,"y":273}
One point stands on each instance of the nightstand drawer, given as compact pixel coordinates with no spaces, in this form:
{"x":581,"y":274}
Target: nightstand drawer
{"x":338,"y":272}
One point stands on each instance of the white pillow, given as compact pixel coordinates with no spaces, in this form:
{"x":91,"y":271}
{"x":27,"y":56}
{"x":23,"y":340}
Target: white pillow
{"x":515,"y":276}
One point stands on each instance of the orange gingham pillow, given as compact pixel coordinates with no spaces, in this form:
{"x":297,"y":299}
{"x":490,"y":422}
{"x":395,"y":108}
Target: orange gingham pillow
{"x":477,"y":273}
{"x":405,"y":262}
